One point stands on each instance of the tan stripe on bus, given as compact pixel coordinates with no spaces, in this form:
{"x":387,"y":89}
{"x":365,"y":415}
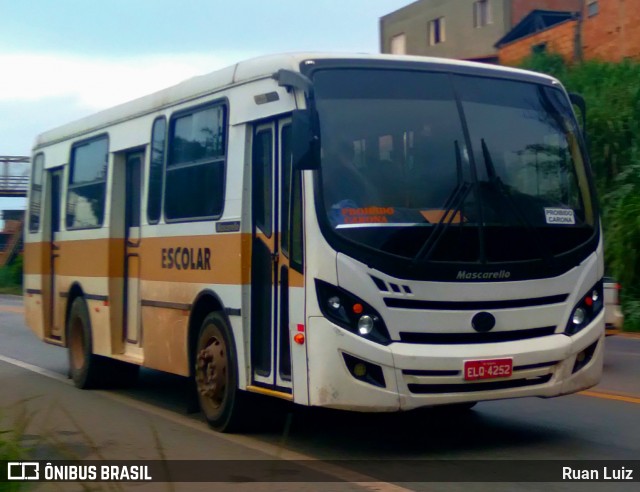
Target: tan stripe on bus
{"x":296,"y":279}
{"x":37,"y":258}
{"x":221,"y":259}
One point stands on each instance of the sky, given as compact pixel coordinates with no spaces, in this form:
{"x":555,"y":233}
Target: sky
{"x":64,"y":59}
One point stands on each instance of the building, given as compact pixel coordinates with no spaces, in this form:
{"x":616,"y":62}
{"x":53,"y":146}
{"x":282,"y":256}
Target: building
{"x":608,"y":30}
{"x":464,"y":29}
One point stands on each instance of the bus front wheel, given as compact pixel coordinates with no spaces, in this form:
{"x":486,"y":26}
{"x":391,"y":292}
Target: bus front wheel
{"x":216,"y":375}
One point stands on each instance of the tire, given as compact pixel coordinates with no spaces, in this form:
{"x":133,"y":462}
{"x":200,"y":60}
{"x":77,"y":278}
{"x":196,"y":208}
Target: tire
{"x":216,"y":376}
{"x":85,"y":368}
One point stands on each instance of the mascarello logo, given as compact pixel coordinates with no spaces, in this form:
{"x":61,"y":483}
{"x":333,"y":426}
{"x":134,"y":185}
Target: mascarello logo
{"x":497,"y":275}
{"x":23,"y":470}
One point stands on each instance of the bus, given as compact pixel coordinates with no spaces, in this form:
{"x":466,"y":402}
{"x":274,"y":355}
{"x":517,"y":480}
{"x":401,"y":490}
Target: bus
{"x":361,"y":232}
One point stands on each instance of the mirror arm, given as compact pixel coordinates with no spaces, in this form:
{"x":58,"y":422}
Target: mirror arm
{"x":294,"y":80}
{"x":579,"y":101}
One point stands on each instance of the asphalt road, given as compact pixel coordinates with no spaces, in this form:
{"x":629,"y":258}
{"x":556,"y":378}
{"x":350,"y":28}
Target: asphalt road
{"x":149,"y":422}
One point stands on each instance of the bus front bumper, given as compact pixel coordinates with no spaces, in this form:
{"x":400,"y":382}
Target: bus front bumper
{"x":416,"y":375}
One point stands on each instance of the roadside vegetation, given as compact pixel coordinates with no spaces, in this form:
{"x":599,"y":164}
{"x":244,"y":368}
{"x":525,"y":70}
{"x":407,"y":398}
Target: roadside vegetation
{"x":11,"y":446}
{"x":11,"y":277}
{"x":612,"y":94}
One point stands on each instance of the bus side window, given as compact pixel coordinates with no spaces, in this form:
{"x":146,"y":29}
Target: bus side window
{"x":35,"y":197}
{"x":194,"y":181}
{"x":87,"y":183}
{"x":156,"y":169}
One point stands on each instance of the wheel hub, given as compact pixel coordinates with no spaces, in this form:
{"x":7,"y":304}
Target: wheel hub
{"x":211,"y":371}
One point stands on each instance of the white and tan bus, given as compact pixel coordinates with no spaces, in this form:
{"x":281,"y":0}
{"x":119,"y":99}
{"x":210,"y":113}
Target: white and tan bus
{"x":370,"y":233}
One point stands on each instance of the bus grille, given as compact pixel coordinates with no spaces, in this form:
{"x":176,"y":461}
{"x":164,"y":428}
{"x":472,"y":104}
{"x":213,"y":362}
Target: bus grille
{"x":474,"y":305}
{"x":454,"y":372}
{"x":431,"y":389}
{"x":463,"y":338}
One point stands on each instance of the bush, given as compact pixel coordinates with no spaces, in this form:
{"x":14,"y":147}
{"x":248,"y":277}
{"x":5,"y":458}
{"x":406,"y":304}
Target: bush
{"x":15,"y":271}
{"x":11,"y":277}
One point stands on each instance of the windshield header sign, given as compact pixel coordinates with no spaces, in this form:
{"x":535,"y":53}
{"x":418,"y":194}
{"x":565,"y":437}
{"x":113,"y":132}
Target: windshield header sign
{"x":559,"y":216}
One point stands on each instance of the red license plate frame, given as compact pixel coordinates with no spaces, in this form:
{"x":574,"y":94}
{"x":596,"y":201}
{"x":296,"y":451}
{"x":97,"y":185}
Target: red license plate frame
{"x":475,"y":370}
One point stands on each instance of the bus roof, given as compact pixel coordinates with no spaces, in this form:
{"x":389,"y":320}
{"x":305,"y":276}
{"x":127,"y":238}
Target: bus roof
{"x":242,"y":72}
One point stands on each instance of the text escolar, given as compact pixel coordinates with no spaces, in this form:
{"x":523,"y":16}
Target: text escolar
{"x":186,"y":258}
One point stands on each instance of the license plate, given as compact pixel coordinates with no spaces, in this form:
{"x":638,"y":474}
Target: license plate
{"x":487,"y":369}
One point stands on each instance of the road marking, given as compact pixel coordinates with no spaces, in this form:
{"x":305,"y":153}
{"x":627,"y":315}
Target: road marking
{"x":12,"y":309}
{"x":32,"y":368}
{"x":611,"y":396}
{"x":278,"y":452}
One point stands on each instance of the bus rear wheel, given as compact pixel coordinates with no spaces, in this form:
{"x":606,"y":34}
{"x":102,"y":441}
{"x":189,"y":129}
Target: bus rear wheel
{"x":216,"y":375}
{"x":85,"y":368}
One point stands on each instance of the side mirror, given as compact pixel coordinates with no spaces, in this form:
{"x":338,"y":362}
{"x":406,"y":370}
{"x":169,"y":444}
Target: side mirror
{"x":578,"y":101}
{"x":305,"y":144}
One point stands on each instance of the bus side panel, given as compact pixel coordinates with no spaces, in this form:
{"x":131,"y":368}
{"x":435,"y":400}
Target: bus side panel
{"x":86,"y":263}
{"x":299,"y":362}
{"x":37,"y":281}
{"x":175,"y":270}
{"x":166,"y":344}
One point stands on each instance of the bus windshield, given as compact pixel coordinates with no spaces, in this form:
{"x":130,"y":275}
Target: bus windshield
{"x":434,"y":166}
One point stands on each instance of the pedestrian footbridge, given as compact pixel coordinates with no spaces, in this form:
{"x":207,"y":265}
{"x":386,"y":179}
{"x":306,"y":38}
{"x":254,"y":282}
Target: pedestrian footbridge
{"x":14,"y":176}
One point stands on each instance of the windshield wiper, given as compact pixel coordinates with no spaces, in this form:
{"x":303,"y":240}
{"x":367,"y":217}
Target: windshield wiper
{"x":505,"y":191}
{"x":452,"y":207}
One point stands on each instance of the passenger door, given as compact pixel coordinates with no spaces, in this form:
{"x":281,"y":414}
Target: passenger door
{"x":133,"y":187}
{"x":270,"y":320}
{"x":56,"y":303}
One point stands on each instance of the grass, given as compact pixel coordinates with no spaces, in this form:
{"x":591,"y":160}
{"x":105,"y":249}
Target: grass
{"x":11,"y":444}
{"x":15,"y":290}
{"x":11,"y":278}
{"x":28,"y":435}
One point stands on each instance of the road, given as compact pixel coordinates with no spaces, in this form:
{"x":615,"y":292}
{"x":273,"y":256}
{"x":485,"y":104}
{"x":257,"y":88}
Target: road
{"x":148,"y":421}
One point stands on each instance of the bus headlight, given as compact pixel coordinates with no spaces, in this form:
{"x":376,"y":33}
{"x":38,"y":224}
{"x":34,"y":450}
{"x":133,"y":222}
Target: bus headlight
{"x":351,"y":313}
{"x":586,"y":310}
{"x":365,"y":325}
{"x":578,"y":316}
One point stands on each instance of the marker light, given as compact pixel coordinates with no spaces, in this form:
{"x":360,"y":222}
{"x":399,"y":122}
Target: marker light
{"x":357,"y":308}
{"x":588,"y":301}
{"x":334,"y":302}
{"x":365,"y":324}
{"x":299,"y":338}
